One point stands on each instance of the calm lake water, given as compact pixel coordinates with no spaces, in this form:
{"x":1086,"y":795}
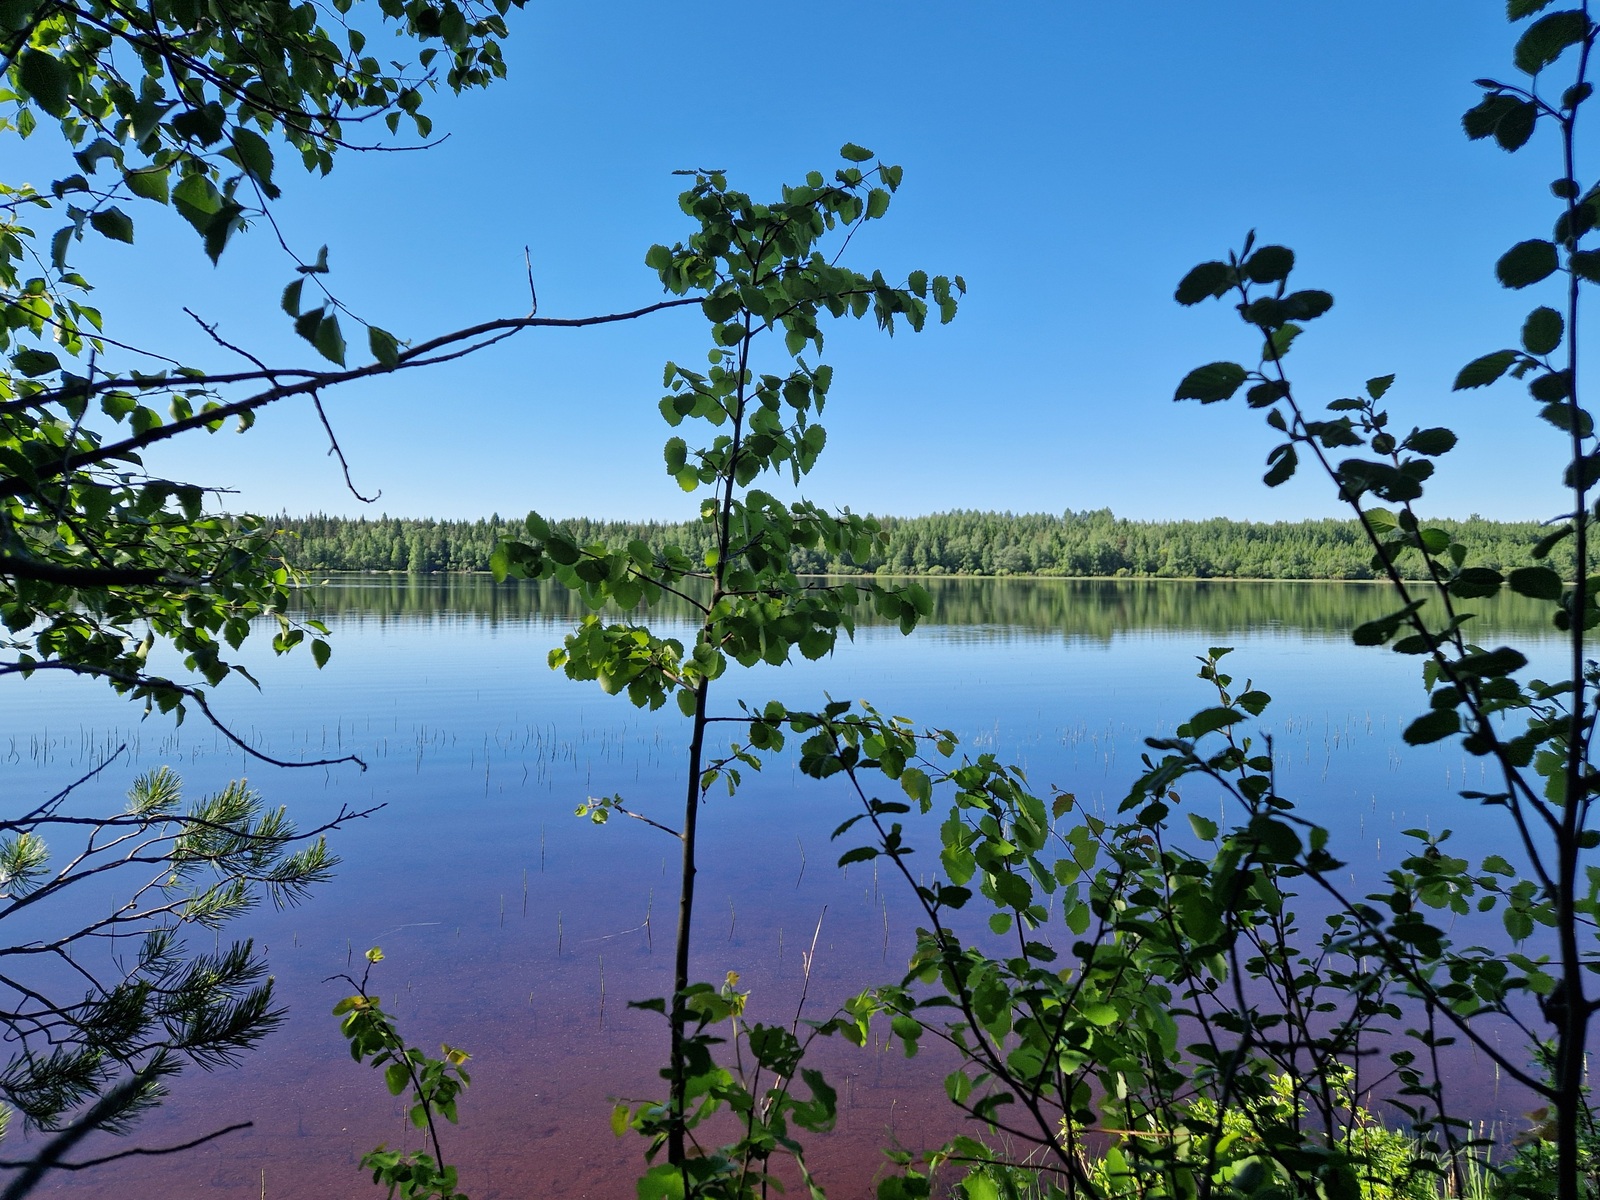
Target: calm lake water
{"x":518,"y":932}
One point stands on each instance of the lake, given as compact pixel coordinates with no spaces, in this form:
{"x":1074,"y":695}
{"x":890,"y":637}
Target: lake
{"x":519,"y":932}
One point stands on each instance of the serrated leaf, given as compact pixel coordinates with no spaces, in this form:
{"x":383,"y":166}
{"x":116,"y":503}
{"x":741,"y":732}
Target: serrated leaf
{"x":1431,"y":442}
{"x":1517,"y":122}
{"x":383,"y":345}
{"x":1481,"y":372}
{"x":1269,"y":264}
{"x":1432,"y":726}
{"x":1542,"y":331}
{"x":1583,"y":472}
{"x":1544,"y":41}
{"x":149,"y":183}
{"x":113,"y":223}
{"x":195,"y":197}
{"x":1284,"y":462}
{"x":854,"y":152}
{"x":1208,"y":280}
{"x":1587,"y":264}
{"x":1526,"y":263}
{"x":329,"y":340}
{"x":33,"y":363}
{"x":1551,"y":387}
{"x":291,"y":297}
{"x":46,"y":79}
{"x":1307,"y":305}
{"x":1212,"y":382}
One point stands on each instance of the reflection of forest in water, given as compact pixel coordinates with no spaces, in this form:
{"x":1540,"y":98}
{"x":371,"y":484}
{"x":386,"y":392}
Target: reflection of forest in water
{"x":1093,"y":609}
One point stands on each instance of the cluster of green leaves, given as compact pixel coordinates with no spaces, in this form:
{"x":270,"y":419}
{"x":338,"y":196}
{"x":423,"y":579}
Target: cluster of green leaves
{"x":755,"y":269}
{"x":757,"y":1089}
{"x":1140,"y":991}
{"x":1536,"y":735}
{"x":759,"y":269}
{"x":1194,"y":1040}
{"x":197,"y":864}
{"x":168,"y":103}
{"x":433,"y":1085}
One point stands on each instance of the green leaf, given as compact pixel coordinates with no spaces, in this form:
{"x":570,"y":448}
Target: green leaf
{"x":1208,"y":721}
{"x":149,"y":183}
{"x":1551,"y":387}
{"x":1432,"y":442}
{"x":1550,"y":541}
{"x":1432,"y":726}
{"x":255,"y":156}
{"x":1516,"y":10}
{"x":1526,"y":263}
{"x":1583,"y":472}
{"x":1542,"y":331}
{"x":1283,"y":460}
{"x":320,"y":651}
{"x":46,"y":79}
{"x":1378,"y":385}
{"x":1587,"y":264}
{"x":1208,"y":280}
{"x":1307,"y":305}
{"x":1543,"y":41}
{"x":1474,"y":582}
{"x":113,"y":223}
{"x":1492,"y":664}
{"x":1270,"y":264}
{"x":196,"y":198}
{"x":1481,"y":372}
{"x":1541,"y":583}
{"x":383,"y":345}
{"x":329,"y":341}
{"x":33,"y":363}
{"x":1212,"y":382}
{"x":1516,"y":123}
{"x":854,"y":152}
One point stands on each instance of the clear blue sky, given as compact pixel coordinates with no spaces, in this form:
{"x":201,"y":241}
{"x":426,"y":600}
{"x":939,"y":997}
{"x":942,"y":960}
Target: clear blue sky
{"x":1071,"y":160}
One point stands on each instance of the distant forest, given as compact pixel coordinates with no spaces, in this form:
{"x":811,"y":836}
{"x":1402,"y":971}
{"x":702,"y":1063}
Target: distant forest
{"x":1090,"y":544}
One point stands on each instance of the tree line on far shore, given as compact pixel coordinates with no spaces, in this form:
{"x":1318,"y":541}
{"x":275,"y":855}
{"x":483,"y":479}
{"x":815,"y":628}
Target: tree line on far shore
{"x":1088,"y":544}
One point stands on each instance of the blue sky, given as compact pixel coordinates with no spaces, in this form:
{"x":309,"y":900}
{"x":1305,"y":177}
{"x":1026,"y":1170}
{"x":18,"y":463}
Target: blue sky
{"x":1071,"y":160}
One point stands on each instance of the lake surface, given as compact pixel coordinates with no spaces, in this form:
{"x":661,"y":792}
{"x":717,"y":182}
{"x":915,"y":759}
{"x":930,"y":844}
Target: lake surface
{"x":519,"y":932}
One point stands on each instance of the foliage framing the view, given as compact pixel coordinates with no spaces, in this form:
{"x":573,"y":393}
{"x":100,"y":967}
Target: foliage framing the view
{"x":1220,"y":1048}
{"x":191,"y":107}
{"x":92,"y":1058}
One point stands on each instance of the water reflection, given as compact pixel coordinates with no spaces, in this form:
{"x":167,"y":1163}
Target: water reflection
{"x":1097,"y":610}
